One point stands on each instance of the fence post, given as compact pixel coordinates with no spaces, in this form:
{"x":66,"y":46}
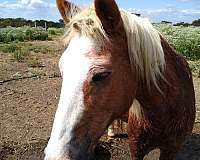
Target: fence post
{"x":45,"y":26}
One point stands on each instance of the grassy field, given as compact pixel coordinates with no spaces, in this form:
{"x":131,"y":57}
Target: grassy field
{"x":186,"y":40}
{"x":20,"y":41}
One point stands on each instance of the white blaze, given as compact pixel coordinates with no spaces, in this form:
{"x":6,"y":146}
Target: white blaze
{"x":74,"y":66}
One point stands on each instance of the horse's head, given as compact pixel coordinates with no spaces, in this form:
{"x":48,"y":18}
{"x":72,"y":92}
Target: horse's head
{"x":98,"y":82}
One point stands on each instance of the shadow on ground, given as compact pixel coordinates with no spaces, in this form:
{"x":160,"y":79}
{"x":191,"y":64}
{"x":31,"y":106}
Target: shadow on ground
{"x":191,"y":150}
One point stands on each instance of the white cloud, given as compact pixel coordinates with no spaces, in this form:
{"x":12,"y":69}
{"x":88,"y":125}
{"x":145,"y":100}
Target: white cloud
{"x":29,"y":1}
{"x":27,"y":4}
{"x":30,"y":9}
{"x":6,"y":5}
{"x":32,"y":4}
{"x":171,"y":14}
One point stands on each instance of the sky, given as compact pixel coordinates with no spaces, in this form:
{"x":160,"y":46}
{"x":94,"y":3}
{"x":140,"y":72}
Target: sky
{"x":156,"y":10}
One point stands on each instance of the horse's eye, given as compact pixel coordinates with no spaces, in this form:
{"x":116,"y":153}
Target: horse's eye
{"x":100,"y":76}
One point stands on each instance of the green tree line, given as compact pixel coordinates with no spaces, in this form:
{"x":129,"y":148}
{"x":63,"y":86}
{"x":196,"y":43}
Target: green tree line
{"x":194,"y":23}
{"x":20,"y":22}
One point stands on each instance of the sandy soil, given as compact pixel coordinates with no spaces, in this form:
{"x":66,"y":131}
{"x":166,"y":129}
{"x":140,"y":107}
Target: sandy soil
{"x":28,"y":101}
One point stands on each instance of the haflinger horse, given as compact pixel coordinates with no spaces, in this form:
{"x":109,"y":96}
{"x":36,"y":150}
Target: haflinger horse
{"x":113,"y":58}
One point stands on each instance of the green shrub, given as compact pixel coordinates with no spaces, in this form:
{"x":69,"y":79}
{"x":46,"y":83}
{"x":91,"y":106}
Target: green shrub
{"x":20,"y":54}
{"x":51,"y":31}
{"x":21,"y":34}
{"x":56,"y":31}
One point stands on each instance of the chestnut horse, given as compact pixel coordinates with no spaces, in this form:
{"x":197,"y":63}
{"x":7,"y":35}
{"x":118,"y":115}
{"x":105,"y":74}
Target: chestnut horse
{"x":111,"y":58}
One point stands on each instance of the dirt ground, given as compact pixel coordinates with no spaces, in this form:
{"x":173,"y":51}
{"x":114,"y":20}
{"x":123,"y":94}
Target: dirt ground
{"x":28,"y":101}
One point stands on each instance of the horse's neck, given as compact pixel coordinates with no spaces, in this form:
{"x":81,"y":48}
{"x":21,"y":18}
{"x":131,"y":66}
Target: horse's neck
{"x":176,"y":72}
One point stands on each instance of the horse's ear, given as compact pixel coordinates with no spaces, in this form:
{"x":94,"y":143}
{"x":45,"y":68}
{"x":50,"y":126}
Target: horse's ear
{"x":67,"y":9}
{"x":109,"y":15}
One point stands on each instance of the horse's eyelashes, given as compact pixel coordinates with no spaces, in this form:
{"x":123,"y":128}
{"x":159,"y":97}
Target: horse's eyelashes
{"x":100,"y":76}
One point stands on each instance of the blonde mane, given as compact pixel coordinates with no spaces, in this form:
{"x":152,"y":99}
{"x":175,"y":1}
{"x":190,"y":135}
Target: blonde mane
{"x":144,"y":44}
{"x":145,"y":50}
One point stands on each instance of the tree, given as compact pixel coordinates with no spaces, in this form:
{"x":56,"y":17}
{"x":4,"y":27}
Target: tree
{"x":182,"y":24}
{"x":166,"y":22}
{"x":196,"y":22}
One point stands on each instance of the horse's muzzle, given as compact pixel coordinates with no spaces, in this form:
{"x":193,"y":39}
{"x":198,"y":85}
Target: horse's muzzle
{"x":73,"y":151}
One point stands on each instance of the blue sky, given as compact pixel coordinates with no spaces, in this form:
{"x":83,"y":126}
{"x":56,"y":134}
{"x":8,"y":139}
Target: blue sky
{"x":155,"y":10}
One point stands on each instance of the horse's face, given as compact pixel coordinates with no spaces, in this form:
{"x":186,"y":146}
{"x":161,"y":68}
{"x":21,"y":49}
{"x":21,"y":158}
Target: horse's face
{"x":97,"y":88}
